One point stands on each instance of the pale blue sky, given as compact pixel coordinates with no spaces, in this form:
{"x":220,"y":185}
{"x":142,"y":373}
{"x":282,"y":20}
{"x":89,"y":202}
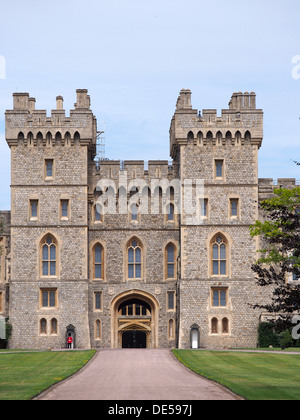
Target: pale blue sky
{"x":134,"y":56}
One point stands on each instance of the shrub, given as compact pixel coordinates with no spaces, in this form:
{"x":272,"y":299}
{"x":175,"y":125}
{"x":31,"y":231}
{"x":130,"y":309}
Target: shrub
{"x":285,"y":339}
{"x":267,"y":336}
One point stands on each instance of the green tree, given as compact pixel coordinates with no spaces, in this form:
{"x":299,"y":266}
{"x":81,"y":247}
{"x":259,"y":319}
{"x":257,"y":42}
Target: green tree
{"x":280,"y":256}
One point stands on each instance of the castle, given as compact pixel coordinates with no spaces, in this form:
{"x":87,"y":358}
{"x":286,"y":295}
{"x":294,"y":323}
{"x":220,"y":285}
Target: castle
{"x":124,"y":254}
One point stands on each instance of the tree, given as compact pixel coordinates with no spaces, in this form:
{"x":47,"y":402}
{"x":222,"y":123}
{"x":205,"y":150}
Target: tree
{"x":280,"y":257}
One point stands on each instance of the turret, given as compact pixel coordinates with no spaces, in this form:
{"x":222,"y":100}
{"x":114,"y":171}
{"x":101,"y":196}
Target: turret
{"x":24,"y":122}
{"x":240,"y":124}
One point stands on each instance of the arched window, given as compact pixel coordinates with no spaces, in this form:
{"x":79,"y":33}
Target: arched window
{"x":29,"y":138}
{"x":39,"y":137}
{"x":170,"y":212}
{"x":171,"y":329}
{"x":228,"y":136}
{"x":200,"y":137}
{"x":49,"y":256}
{"x":209,"y":135}
{"x":67,"y":138}
{"x":98,"y":213}
{"x":122,"y":200}
{"x":98,"y":262}
{"x":58,"y":137}
{"x":157,"y":201}
{"x":54,"y":326}
{"x":219,"y":256}
{"x":20,"y":136}
{"x":190,"y":135}
{"x":146,"y":200}
{"x":43,"y":326}
{"x":225,"y":326}
{"x":134,"y":253}
{"x":134,"y":210}
{"x":98,"y":329}
{"x":238,"y":137}
{"x":170,"y":261}
{"x":76,"y":137}
{"x":48,"y":138}
{"x":134,"y":307}
{"x":214,"y":326}
{"x":248,"y":136}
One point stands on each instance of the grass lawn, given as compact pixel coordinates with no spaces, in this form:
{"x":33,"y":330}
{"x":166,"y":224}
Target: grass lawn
{"x":254,"y":376}
{"x":25,"y":375}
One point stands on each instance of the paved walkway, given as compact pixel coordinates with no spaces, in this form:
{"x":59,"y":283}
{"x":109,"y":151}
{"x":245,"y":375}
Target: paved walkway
{"x":136,"y":375}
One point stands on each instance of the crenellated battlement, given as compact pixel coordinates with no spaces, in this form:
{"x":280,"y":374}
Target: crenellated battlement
{"x":266,"y":186}
{"x":29,"y":126}
{"x":135,"y":169}
{"x":241,"y":124}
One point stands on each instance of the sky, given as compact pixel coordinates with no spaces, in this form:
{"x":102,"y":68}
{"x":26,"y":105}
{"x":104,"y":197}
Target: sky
{"x":134,"y":57}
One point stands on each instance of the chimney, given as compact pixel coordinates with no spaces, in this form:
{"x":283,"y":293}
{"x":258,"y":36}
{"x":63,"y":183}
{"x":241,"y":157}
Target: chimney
{"x":83,"y":99}
{"x":253,"y":100}
{"x":21,"y":101}
{"x":31,"y":105}
{"x":233,"y":102}
{"x":59,"y":103}
{"x":184,"y":99}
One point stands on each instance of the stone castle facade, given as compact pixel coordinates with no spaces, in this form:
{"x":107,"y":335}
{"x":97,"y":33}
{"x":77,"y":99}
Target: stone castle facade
{"x":120,"y":254}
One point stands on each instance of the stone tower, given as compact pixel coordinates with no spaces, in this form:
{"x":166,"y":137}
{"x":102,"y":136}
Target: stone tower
{"x":218,"y":153}
{"x":49,"y":221}
{"x":121,"y":254}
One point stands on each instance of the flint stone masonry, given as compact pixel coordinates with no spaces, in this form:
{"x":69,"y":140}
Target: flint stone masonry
{"x":197,"y":140}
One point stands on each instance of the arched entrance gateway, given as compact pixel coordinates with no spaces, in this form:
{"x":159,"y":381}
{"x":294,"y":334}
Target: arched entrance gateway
{"x":134,"y":320}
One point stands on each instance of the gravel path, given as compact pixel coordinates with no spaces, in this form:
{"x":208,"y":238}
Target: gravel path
{"x":131,"y":374}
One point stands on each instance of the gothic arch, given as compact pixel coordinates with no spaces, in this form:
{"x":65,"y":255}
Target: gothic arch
{"x":58,"y":137}
{"x":248,"y":136}
{"x":119,"y":325}
{"x":134,"y":259}
{"x":229,"y":136}
{"x":21,"y":137}
{"x":48,"y":138}
{"x":200,"y":138}
{"x":190,"y":136}
{"x":211,"y":241}
{"x":40,"y":242}
{"x":76,"y":137}
{"x":209,"y":135}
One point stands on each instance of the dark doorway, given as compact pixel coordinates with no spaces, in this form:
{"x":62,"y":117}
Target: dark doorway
{"x":134,"y":340}
{"x":71,"y":332}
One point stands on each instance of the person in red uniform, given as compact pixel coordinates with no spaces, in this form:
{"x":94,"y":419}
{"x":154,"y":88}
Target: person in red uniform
{"x":70,"y":341}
